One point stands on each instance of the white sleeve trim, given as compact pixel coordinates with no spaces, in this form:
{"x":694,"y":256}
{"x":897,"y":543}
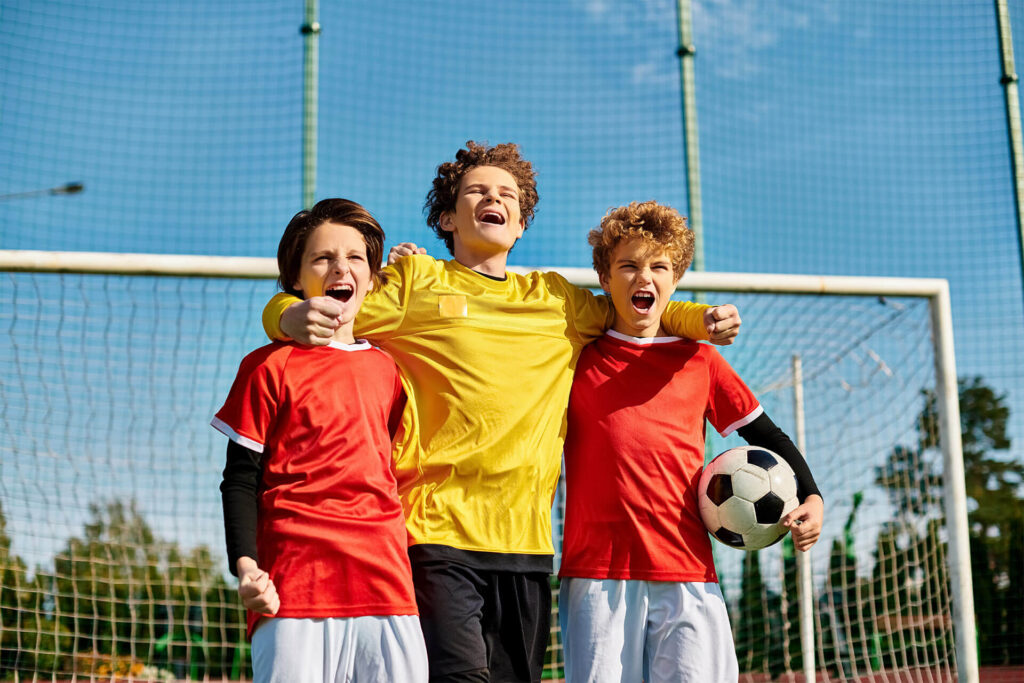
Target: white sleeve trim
{"x":743,"y":421}
{"x":225,"y":429}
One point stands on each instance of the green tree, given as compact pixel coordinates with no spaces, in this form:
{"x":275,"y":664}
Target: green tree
{"x":752,"y":632}
{"x":131,"y":598}
{"x":1015,"y":593}
{"x":30,"y":641}
{"x":785,"y":653}
{"x":910,"y":582}
{"x":848,"y":630}
{"x":993,"y":483}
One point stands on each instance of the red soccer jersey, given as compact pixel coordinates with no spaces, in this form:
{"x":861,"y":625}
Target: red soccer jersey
{"x":634,"y":453}
{"x":331,"y":533}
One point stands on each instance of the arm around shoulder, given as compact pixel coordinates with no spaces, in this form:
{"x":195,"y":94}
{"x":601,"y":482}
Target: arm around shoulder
{"x":309,"y":321}
{"x":686,"y":319}
{"x":717,"y":324}
{"x":272,"y":314}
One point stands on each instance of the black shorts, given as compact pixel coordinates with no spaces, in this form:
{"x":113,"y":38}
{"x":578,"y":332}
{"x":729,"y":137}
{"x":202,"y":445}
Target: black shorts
{"x":481,"y":624}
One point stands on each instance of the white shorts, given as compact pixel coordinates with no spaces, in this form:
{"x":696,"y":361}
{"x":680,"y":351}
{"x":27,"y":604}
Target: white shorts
{"x":650,"y":630}
{"x":350,"y":650}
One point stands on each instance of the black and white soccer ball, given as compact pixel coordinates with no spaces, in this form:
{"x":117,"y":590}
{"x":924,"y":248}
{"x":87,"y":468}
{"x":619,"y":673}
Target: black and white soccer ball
{"x":743,"y":495}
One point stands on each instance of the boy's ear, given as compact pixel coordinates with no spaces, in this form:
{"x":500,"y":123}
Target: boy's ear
{"x":448,"y":221}
{"x":603,"y":279}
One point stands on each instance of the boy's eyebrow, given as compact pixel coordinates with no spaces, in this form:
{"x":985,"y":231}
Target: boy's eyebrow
{"x":500,"y":187}
{"x":627,"y":261}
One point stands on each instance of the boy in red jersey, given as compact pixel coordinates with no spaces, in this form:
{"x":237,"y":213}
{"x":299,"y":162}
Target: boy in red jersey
{"x":487,"y":359}
{"x":314,"y":526}
{"x":639,"y":597}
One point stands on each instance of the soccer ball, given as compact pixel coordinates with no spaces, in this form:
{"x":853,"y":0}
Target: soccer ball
{"x":744,"y":493}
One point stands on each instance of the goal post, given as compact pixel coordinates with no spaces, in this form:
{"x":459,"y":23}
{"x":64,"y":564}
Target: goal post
{"x":110,"y":532}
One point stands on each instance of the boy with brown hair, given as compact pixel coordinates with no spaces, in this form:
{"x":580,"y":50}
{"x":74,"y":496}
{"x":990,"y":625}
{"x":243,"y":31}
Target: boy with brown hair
{"x":314,"y":526}
{"x":487,"y":358}
{"x":639,"y":596}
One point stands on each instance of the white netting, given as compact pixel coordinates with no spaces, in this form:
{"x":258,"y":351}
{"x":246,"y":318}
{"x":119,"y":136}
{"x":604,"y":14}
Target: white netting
{"x":112,"y":544}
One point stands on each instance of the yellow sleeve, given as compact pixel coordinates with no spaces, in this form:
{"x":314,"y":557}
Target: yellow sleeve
{"x":383,"y":310}
{"x":593,"y":314}
{"x":589,"y":314}
{"x":685,"y":319}
{"x":272,"y":314}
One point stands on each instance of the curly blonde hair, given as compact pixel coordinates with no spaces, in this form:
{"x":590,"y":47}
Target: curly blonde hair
{"x":443,"y":195}
{"x":659,"y":226}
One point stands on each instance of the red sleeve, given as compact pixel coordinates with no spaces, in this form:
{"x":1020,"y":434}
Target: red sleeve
{"x":731,"y":404}
{"x":248,"y":414}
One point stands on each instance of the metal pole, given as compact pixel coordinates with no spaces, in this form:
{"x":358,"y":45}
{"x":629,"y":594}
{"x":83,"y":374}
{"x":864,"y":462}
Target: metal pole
{"x":955,"y":498}
{"x":686,"y":53}
{"x":1009,"y":81}
{"x":311,"y":60}
{"x":805,"y":587}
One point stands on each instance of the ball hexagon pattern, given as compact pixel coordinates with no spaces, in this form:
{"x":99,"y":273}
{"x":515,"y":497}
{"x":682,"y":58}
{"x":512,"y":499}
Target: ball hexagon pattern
{"x":743,"y":495}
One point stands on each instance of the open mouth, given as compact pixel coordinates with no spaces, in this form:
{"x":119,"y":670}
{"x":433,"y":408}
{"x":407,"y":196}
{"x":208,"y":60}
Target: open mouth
{"x":642,"y":301}
{"x":340,"y":292}
{"x":492,"y":217}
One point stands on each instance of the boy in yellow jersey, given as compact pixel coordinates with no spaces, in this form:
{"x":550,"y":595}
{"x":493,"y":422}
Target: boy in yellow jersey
{"x":487,"y":360}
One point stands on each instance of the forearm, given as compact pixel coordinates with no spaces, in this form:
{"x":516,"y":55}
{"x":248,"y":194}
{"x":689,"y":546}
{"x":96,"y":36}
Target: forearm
{"x":764,"y":433}
{"x":272,"y":314}
{"x":685,"y":319}
{"x":239,"y":495}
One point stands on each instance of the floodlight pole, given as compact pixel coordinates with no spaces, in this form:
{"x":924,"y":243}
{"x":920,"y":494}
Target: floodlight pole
{"x":686,"y":53}
{"x":1009,"y":81}
{"x":311,"y":59}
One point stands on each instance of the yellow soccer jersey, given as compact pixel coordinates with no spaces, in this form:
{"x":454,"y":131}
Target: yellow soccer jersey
{"x":487,"y":366}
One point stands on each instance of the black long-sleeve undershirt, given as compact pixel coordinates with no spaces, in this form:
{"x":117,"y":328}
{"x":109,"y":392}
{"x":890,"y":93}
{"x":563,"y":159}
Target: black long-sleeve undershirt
{"x":240,"y":497}
{"x":764,"y":433}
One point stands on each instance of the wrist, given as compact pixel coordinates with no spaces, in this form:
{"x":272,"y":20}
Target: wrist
{"x":246,"y":565}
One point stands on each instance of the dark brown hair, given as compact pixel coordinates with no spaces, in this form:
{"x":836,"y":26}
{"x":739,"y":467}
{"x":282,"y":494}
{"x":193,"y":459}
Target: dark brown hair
{"x":341,"y":212}
{"x":658,"y":225}
{"x":443,"y":195}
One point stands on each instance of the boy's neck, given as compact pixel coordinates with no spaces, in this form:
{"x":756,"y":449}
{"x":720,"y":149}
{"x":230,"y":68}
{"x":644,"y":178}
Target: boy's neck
{"x":344,"y":334}
{"x":493,"y":264}
{"x":621,"y":327}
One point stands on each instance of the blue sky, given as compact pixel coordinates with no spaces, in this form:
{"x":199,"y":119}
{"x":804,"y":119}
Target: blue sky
{"x":860,"y":138}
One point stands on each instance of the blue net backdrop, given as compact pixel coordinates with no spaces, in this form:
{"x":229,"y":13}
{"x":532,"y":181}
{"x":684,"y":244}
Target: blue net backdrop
{"x":864,"y":138}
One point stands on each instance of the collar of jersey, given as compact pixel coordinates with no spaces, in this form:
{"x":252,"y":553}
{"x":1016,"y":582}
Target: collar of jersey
{"x":641,"y":340}
{"x":359,"y":345}
{"x":488,"y":281}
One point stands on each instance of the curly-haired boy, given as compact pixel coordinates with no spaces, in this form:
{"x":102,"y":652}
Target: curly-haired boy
{"x":639,"y":596}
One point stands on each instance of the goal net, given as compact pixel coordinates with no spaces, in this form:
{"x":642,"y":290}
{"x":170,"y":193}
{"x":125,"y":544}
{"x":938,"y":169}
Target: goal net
{"x":111,"y":540}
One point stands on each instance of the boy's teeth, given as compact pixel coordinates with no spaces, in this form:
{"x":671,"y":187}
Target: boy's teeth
{"x":343,"y":293}
{"x":643,"y":300}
